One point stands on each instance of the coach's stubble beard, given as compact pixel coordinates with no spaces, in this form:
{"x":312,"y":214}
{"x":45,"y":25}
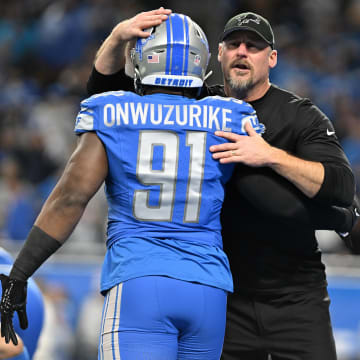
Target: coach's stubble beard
{"x":239,"y":87}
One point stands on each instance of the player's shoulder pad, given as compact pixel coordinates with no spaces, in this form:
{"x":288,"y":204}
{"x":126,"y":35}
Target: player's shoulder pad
{"x":101,"y":98}
{"x":87,"y":118}
{"x":245,"y":107}
{"x":242,"y":110}
{"x":248,"y":114}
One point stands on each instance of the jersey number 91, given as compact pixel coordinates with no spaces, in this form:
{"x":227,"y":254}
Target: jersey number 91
{"x":168,"y":175}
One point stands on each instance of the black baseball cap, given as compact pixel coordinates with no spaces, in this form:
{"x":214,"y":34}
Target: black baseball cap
{"x":251,"y":22}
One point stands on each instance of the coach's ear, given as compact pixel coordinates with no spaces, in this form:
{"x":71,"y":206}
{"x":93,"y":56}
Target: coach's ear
{"x":272,"y":59}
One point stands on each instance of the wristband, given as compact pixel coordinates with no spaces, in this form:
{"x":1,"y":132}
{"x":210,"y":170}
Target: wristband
{"x":37,"y":248}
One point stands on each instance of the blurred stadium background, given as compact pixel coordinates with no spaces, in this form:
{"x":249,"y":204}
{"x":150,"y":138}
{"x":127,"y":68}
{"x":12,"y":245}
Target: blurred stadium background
{"x":46,"y":54}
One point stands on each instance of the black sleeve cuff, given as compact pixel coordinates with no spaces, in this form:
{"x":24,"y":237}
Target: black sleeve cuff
{"x":37,"y":248}
{"x":98,"y":83}
{"x":338,"y":187}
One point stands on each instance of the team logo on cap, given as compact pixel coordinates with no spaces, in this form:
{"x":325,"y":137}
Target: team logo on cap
{"x":247,"y":18}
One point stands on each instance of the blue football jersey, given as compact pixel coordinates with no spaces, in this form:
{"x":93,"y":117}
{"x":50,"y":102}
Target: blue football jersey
{"x":163,"y":187}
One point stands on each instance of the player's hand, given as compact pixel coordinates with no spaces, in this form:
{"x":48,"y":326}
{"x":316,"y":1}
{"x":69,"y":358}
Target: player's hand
{"x":250,"y":150}
{"x":134,"y":27}
{"x":351,"y":237}
{"x":13,"y":299}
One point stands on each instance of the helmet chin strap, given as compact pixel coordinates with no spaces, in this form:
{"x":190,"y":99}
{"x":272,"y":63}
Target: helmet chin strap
{"x":137,"y":82}
{"x":208,"y":75}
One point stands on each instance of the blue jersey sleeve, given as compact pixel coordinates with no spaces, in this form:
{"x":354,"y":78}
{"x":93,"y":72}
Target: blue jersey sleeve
{"x":87,"y":116}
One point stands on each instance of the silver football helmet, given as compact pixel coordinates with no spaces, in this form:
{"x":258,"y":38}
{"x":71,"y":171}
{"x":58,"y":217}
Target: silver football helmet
{"x":175,"y":54}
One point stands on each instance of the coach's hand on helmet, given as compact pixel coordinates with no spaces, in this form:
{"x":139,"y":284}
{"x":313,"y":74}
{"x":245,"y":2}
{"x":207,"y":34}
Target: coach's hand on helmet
{"x":13,"y":299}
{"x":134,"y":27}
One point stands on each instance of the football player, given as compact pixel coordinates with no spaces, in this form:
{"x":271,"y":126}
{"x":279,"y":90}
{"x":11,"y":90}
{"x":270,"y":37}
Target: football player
{"x":165,"y":276}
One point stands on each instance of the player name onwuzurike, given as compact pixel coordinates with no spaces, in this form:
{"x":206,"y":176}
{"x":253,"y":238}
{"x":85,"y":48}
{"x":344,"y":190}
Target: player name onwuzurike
{"x":198,"y":116}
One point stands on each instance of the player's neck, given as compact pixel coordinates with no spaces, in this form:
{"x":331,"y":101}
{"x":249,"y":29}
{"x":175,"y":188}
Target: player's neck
{"x":171,"y":91}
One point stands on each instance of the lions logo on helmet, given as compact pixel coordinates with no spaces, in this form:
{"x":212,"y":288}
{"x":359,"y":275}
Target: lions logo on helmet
{"x":176,"y":54}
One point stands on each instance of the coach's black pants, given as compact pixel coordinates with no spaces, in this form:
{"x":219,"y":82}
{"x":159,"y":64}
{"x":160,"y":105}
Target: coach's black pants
{"x":295,"y":326}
